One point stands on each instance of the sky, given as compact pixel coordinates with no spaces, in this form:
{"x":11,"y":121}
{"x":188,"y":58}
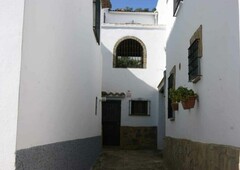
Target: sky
{"x":150,"y":4}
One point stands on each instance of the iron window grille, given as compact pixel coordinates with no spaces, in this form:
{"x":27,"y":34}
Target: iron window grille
{"x":96,"y":19}
{"x":171,"y":80}
{"x":139,"y":107}
{"x":176,"y":4}
{"x":129,"y":54}
{"x":194,"y":61}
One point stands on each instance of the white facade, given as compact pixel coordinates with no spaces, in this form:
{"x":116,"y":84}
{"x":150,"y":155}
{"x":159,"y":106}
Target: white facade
{"x":141,"y":83}
{"x":146,"y":18}
{"x":11,"y":21}
{"x":60,"y":75}
{"x":215,"y":117}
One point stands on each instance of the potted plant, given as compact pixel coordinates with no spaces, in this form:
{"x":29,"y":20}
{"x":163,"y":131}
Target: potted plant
{"x":175,"y":98}
{"x":187,"y":97}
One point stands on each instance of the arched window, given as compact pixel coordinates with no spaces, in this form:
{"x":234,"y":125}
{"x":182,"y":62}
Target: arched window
{"x":129,"y":52}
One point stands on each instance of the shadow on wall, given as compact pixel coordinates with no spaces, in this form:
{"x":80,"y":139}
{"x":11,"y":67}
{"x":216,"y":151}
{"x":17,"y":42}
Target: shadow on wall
{"x":142,"y":83}
{"x":126,"y":79}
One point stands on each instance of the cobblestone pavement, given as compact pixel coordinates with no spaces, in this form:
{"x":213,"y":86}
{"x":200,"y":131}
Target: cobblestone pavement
{"x":116,"y":159}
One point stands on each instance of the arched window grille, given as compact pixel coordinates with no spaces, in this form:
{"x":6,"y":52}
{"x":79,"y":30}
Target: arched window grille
{"x":129,"y":54}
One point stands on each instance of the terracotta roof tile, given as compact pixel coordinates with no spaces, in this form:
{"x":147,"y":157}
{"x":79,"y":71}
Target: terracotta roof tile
{"x":113,"y":94}
{"x":106,"y":4}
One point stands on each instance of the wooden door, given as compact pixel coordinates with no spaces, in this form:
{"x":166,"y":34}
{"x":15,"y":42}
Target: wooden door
{"x":111,"y":118}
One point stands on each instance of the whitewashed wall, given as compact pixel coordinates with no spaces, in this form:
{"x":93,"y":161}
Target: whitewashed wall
{"x":215,"y":118}
{"x":149,"y":18}
{"x":165,"y":15}
{"x":142,"y":83}
{"x":11,"y":21}
{"x":61,"y":74}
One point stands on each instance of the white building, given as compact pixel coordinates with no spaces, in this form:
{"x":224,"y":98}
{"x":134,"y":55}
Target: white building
{"x":53,"y":121}
{"x":206,"y":136}
{"x":133,"y":64}
{"x":55,"y":80}
{"x":11,"y":20}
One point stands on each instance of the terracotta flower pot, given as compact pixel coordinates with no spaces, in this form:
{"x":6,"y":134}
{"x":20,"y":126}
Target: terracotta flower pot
{"x":174,"y":106}
{"x":188,"y":104}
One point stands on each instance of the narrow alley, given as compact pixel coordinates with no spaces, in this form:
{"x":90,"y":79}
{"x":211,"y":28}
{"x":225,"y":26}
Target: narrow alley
{"x":115,"y":159}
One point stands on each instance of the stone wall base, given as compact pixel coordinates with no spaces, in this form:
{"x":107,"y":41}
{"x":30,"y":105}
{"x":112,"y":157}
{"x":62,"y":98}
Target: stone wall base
{"x":68,"y":155}
{"x":138,"y":137}
{"x":181,"y":154}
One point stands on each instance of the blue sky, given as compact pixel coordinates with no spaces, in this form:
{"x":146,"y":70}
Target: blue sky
{"x":134,"y":4}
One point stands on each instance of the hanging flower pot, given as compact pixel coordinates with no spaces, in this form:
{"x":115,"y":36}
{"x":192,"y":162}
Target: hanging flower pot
{"x":187,"y":97}
{"x":174,"y":106}
{"x":175,"y":98}
{"x":183,"y":94}
{"x":189,"y":103}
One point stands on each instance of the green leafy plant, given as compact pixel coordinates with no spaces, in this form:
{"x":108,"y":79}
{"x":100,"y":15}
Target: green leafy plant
{"x":174,"y":95}
{"x":186,"y":96}
{"x":175,"y":98}
{"x":128,"y":62}
{"x":185,"y":93}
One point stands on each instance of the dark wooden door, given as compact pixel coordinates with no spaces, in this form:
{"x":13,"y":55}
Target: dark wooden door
{"x":111,"y":118}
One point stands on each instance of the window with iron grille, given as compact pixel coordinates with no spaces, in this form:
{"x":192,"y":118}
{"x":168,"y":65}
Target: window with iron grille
{"x":193,"y":61}
{"x":129,"y":54}
{"x":171,"y":85}
{"x":194,"y":56}
{"x":176,"y":4}
{"x":96,"y":19}
{"x":139,"y":107}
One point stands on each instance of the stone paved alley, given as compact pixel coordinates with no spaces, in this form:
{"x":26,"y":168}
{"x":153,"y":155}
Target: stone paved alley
{"x":115,"y":159}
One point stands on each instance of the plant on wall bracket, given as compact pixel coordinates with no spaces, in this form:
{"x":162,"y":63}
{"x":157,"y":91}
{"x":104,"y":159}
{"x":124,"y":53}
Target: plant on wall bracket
{"x":175,"y":98}
{"x":183,"y":94}
{"x":187,"y":97}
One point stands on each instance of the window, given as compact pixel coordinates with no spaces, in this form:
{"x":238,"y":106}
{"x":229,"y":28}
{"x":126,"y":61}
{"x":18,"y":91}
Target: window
{"x":171,"y":84}
{"x":194,"y":56}
{"x":96,"y":19}
{"x":193,"y":61}
{"x":176,"y":4}
{"x":139,"y":107}
{"x":129,"y":53}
